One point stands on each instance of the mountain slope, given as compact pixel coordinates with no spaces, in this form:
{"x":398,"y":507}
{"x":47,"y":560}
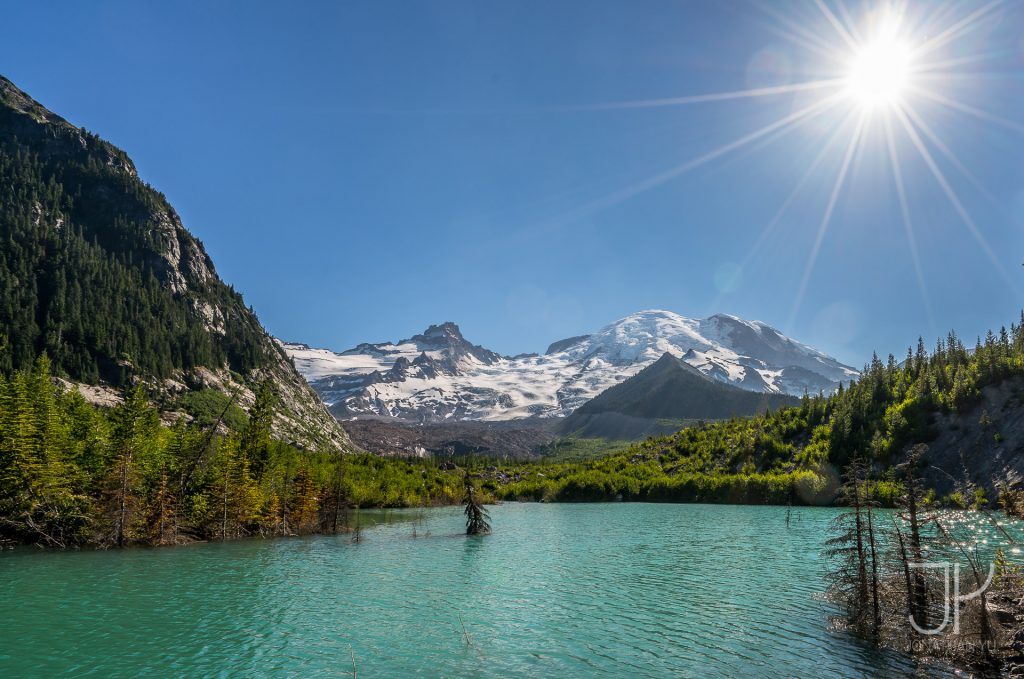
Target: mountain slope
{"x":660,"y":398}
{"x":964,"y":406}
{"x":439,"y":376}
{"x":97,"y":271}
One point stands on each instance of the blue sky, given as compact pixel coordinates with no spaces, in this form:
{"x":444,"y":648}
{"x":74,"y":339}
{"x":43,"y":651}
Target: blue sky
{"x":360,"y":170}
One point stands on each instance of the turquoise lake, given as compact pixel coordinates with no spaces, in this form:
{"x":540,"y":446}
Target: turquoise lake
{"x":558,"y":590}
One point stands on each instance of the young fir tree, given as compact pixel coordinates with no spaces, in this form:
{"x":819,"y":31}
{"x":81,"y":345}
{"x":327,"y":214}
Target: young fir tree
{"x":40,"y":488}
{"x":334,"y":506}
{"x":255,"y":437}
{"x":304,"y":502}
{"x":477,"y":518}
{"x":135,"y":425}
{"x":238,"y":493}
{"x":163,"y":515}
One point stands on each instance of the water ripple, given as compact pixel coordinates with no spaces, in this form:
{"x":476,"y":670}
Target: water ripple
{"x":558,"y":590}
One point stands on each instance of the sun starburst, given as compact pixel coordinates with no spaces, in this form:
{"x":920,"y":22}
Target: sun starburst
{"x":889,"y":66}
{"x":880,"y":69}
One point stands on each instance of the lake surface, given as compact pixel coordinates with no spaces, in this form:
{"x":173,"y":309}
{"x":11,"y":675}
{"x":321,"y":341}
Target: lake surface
{"x":639,"y":590}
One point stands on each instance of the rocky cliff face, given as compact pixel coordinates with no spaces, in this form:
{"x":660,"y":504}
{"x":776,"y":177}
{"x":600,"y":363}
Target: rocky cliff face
{"x":984,"y":445}
{"x":112,"y":286}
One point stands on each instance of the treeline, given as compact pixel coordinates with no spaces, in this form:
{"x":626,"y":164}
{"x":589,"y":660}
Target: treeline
{"x":615,"y":480}
{"x":891,"y":407}
{"x":75,"y":474}
{"x":783,"y":456}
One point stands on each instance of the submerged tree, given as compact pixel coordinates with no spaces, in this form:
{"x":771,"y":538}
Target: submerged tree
{"x":911,"y":552}
{"x":334,"y":506}
{"x":854,"y":582}
{"x":477,"y":519}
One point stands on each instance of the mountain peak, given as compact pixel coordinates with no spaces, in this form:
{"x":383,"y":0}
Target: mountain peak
{"x":446,"y":329}
{"x":466,"y":381}
{"x":650,"y":314}
{"x":562,"y":345}
{"x":670,"y":361}
{"x":729,"y":318}
{"x":16,"y":99}
{"x":666,"y":359}
{"x":667,"y":389}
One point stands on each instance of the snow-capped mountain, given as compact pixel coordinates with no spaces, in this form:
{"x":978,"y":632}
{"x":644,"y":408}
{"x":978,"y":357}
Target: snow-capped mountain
{"x":439,"y":375}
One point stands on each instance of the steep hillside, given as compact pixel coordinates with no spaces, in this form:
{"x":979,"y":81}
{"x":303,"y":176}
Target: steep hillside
{"x":965,"y":405}
{"x":660,"y":397}
{"x":985,"y":440}
{"x":97,"y":272}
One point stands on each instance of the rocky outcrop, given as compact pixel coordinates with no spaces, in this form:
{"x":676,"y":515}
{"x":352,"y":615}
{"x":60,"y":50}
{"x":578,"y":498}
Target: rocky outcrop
{"x":133,"y":230}
{"x":984,"y":445}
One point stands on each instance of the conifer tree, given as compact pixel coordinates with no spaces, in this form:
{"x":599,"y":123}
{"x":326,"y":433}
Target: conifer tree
{"x":238,"y":493}
{"x":255,"y":437}
{"x":134,"y":429}
{"x":163,"y":516}
{"x":477,"y":519}
{"x":304,"y":501}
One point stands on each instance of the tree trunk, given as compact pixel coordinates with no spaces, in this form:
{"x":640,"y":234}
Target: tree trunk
{"x":224,"y":517}
{"x":876,"y":609}
{"x":920,"y":587}
{"x":122,"y":509}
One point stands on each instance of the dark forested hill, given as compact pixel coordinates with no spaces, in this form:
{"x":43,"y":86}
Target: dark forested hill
{"x":662,"y":396}
{"x":98,"y":273}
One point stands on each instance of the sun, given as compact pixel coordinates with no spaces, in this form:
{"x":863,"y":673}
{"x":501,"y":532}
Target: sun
{"x":878,"y":79}
{"x":879,"y":71}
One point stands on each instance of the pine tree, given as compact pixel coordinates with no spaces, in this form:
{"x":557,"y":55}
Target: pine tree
{"x":334,"y":506}
{"x":163,"y":515}
{"x":238,"y":493}
{"x":134,"y":431}
{"x":477,"y":519}
{"x":304,"y":502}
{"x":255,"y":437}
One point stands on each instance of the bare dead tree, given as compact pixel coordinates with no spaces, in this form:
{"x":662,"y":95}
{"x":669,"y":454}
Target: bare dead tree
{"x":853,"y":553}
{"x":876,"y":610}
{"x":203,"y":449}
{"x":911,"y":544}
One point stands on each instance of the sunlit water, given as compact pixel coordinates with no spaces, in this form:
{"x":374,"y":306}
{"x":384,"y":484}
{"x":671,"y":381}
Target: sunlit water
{"x":613,"y":590}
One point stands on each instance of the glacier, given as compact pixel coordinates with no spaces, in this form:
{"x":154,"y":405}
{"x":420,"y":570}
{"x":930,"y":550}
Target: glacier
{"x":439,"y":376}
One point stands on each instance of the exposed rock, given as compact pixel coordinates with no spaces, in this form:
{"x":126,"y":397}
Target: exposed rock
{"x":987,"y":451}
{"x":159,"y":245}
